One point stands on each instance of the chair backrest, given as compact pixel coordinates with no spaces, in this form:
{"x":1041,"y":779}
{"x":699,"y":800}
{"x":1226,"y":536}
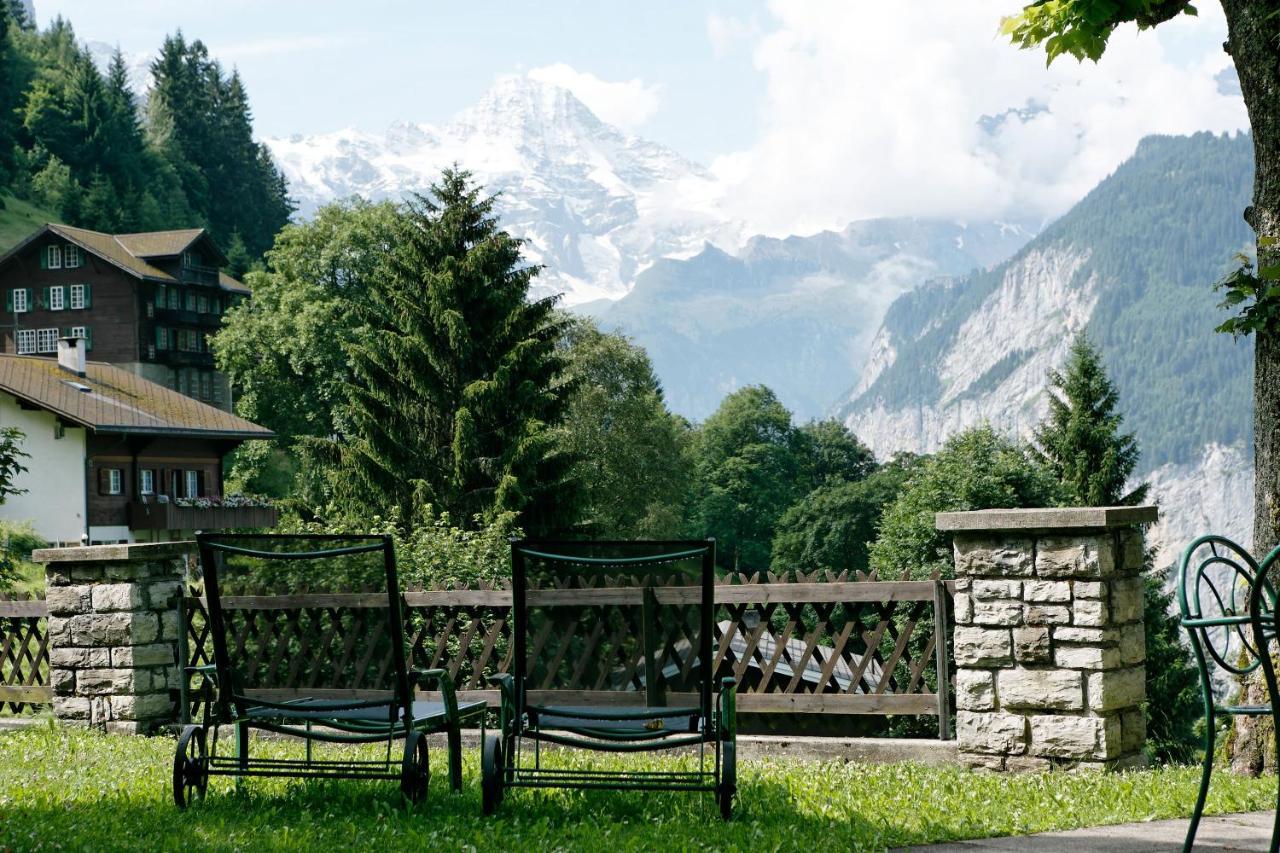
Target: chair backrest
{"x":616,"y":622}
{"x":1217,"y":580}
{"x":290,"y":618}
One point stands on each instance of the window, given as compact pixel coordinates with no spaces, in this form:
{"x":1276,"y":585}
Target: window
{"x":162,"y":338}
{"x":182,"y":383}
{"x":191,"y":301}
{"x":79,"y":296}
{"x":146,"y":482}
{"x":175,"y":298}
{"x":47,"y":340}
{"x":26,"y":341}
{"x":203,"y":305}
{"x":70,"y":256}
{"x":83,"y":332}
{"x":20,"y":300}
{"x":206,"y":386}
{"x":53,"y":257}
{"x":151,"y":352}
{"x":217,"y":392}
{"x":110,"y":481}
{"x":162,"y":298}
{"x":56,"y":298}
{"x":193,"y":484}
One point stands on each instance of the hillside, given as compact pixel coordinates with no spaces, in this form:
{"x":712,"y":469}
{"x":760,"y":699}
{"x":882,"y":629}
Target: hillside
{"x":1133,"y":264}
{"x":796,"y":314}
{"x":18,"y":219}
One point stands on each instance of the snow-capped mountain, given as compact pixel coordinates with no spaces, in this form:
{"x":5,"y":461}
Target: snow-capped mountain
{"x":596,"y":205}
{"x":1133,"y":265}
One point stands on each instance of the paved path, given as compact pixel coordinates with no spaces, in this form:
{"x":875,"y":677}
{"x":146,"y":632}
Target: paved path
{"x":1251,"y":831}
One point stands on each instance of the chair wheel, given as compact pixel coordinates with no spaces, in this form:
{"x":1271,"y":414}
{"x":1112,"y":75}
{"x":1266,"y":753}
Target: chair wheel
{"x":415,"y":771}
{"x":728,"y":787}
{"x":491,"y":770}
{"x":190,"y":767}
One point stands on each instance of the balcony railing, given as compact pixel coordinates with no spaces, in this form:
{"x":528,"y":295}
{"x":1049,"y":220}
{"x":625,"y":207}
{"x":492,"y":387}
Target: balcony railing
{"x":170,"y":516}
{"x":198,"y":275}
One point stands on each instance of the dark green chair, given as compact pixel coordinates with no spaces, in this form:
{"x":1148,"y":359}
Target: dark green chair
{"x":613,"y":652}
{"x":324,"y":666}
{"x":1228,"y":608}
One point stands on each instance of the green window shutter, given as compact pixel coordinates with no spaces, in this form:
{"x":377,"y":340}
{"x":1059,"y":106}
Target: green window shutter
{"x":44,"y":297}
{"x":44,"y":257}
{"x":88,"y":296}
{"x":88,"y":338}
{"x":30,"y":298}
{"x":8,"y":300}
{"x":64,"y":332}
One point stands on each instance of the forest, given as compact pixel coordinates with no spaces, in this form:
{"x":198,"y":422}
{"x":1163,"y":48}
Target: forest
{"x":84,"y":148}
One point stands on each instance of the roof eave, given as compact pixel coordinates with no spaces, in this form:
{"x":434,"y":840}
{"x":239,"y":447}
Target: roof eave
{"x":185,"y":432}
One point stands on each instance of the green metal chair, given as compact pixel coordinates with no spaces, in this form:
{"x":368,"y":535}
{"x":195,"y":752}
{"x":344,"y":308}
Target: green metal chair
{"x":1228,"y":607}
{"x":613,"y":652}
{"x":326,"y":667}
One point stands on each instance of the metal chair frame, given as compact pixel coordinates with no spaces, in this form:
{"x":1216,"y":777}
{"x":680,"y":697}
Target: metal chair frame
{"x":327,"y":720}
{"x":512,"y":757}
{"x":1243,"y":613}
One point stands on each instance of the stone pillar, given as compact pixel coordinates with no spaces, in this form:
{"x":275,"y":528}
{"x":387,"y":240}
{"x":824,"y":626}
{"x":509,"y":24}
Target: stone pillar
{"x":1049,"y":645}
{"x":113,"y":632}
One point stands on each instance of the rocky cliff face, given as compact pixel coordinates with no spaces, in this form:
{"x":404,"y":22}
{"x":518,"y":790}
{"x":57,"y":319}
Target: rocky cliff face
{"x":954,"y":354}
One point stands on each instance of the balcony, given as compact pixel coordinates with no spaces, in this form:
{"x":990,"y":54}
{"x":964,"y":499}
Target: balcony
{"x":182,"y":317}
{"x":198,"y":275}
{"x":170,"y":516}
{"x":178,"y":358}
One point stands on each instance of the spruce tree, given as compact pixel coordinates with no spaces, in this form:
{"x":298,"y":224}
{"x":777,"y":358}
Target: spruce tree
{"x":1080,"y":440}
{"x":453,"y":400}
{"x":7,"y":100}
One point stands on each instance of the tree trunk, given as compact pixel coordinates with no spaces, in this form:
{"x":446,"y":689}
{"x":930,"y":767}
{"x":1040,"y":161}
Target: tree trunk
{"x":1254,"y":44}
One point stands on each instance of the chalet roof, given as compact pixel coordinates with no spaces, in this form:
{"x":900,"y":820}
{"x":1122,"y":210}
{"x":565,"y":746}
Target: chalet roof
{"x":132,"y":252}
{"x":117,"y":401}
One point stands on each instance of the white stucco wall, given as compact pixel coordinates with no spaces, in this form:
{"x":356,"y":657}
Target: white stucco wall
{"x":55,"y":498}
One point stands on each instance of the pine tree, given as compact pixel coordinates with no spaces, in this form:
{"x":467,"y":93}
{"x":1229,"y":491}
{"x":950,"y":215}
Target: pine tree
{"x":6,"y":98}
{"x":453,"y":401}
{"x":1080,"y":440}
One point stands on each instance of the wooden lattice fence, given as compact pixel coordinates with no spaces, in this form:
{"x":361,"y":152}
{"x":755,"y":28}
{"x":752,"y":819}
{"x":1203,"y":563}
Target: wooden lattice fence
{"x":819,"y":643}
{"x":24,"y":654}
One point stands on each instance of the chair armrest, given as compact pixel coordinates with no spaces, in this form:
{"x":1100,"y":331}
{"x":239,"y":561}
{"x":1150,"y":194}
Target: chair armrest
{"x":506,"y":684}
{"x":421,"y":677}
{"x":208,"y":670}
{"x":726,"y":702}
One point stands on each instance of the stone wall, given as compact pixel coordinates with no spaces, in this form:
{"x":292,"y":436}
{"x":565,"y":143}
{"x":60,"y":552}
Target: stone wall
{"x":113,"y":633}
{"x":1049,"y":644}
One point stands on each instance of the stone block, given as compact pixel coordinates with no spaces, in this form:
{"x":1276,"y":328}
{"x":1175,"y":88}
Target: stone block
{"x":69,"y":600}
{"x":1055,"y":736}
{"x":1027,"y":764}
{"x":61,"y":657}
{"x":153,"y":654}
{"x":1126,"y":600}
{"x":163,"y":595}
{"x":126,"y":727}
{"x":1092,"y":636}
{"x":114,"y":629}
{"x":986,"y":556}
{"x":1133,"y":731}
{"x":962,"y":606}
{"x":1118,"y":688}
{"x":1131,"y":549}
{"x":170,"y":628}
{"x":975,"y":690}
{"x":71,"y":707}
{"x":117,"y":596}
{"x":1041,"y":689}
{"x":982,"y":646}
{"x":145,"y":706}
{"x":989,"y":589}
{"x":991,"y":732}
{"x":982,"y":761}
{"x":1047,"y":614}
{"x":1075,"y":557}
{"x":63,"y":682}
{"x":128,"y":570}
{"x":1031,"y":645}
{"x":82,"y":573}
{"x":999,"y":611}
{"x":56,"y":577}
{"x":1089,"y":589}
{"x":1086,"y":657}
{"x":59,"y":631}
{"x":1090,"y":613}
{"x":1133,"y":644}
{"x":97,"y":682}
{"x":1047,"y":592}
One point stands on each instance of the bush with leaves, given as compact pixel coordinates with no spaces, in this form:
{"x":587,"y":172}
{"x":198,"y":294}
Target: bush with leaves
{"x":10,"y":467}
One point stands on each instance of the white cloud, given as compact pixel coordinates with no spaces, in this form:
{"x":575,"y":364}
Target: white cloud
{"x":874,"y":109}
{"x":627,"y":104}
{"x":726,"y":32}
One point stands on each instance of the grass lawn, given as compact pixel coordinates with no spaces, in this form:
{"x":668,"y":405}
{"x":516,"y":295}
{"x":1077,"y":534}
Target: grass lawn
{"x":63,"y":789}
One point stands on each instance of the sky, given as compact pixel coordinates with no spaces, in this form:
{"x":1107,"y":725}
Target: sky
{"x":811,"y":113}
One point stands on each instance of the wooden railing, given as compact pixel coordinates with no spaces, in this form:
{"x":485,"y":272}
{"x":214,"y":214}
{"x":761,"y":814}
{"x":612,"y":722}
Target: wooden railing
{"x":807,"y":644}
{"x":24,"y":654}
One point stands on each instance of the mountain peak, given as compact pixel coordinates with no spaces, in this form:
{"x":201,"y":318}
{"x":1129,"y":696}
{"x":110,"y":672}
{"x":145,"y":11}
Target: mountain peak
{"x":519,"y":106}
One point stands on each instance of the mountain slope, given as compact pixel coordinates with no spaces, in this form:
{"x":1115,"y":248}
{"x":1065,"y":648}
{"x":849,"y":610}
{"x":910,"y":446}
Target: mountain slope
{"x":18,"y":219}
{"x":1133,"y":264}
{"x":595,"y":204}
{"x":796,"y":314}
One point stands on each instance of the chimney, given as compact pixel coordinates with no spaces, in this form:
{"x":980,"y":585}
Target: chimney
{"x":71,"y":354}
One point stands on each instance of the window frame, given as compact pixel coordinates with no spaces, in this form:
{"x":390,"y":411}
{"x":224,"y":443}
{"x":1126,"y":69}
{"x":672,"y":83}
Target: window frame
{"x":29,"y":335}
{"x":53,"y":256}
{"x":70,"y":256}
{"x":43,"y":335}
{"x":115,"y":481}
{"x":191,"y":483}
{"x":20,"y":295}
{"x":73,"y":291}
{"x":146,"y":481}
{"x":57,"y":298}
